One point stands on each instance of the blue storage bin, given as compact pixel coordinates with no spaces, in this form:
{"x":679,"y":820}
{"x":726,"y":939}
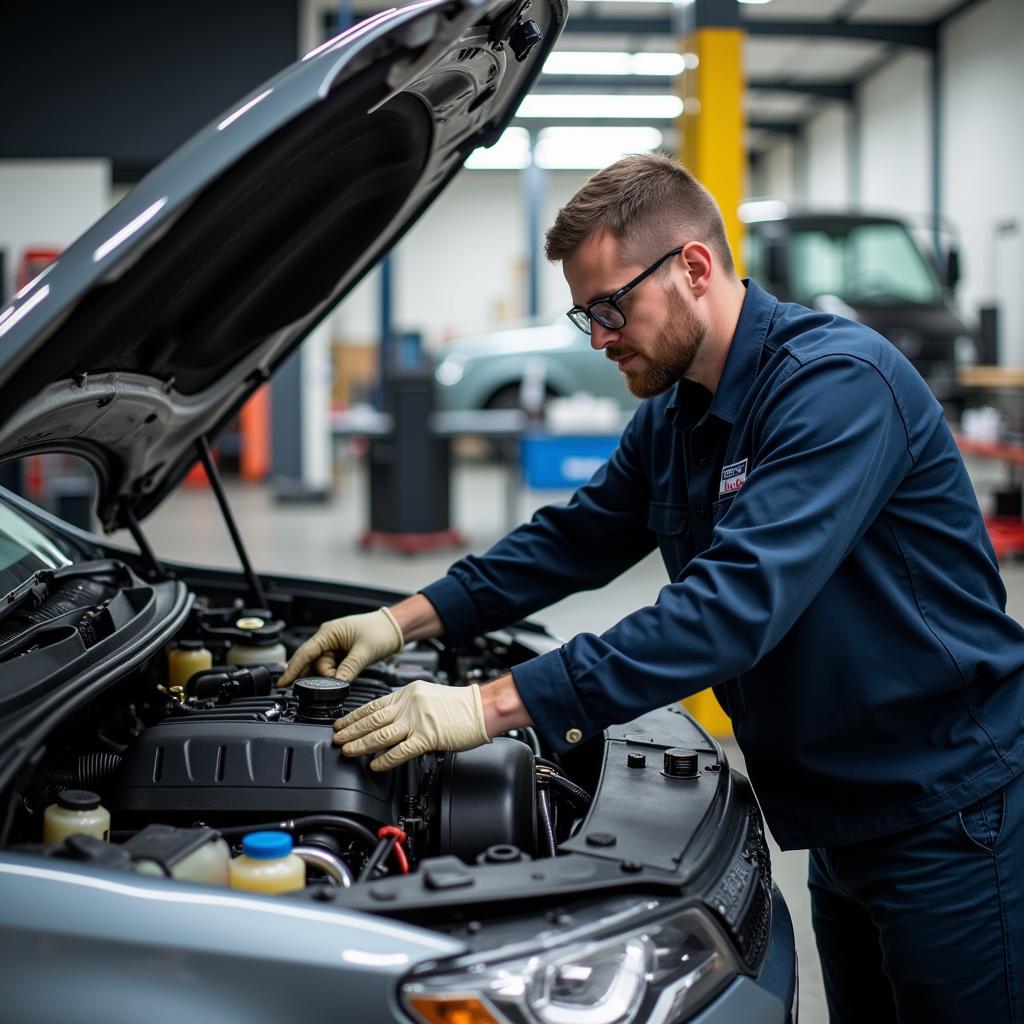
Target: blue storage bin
{"x":563,"y":461}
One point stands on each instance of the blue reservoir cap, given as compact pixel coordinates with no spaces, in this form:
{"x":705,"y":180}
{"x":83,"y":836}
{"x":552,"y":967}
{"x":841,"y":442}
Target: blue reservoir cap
{"x":267,"y":845}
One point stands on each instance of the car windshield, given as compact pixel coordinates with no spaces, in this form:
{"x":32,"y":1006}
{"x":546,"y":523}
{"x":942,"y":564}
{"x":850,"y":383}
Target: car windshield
{"x":24,"y":550}
{"x":862,"y":263}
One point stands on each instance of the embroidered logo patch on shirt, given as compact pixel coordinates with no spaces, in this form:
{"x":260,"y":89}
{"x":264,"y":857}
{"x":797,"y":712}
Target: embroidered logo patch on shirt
{"x":733,"y":478}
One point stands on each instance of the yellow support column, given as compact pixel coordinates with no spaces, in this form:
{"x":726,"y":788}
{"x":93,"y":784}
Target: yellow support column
{"x":711,"y":125}
{"x":711,"y":147}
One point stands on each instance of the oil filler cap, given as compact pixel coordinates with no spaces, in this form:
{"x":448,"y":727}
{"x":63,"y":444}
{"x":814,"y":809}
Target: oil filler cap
{"x":680,"y":763}
{"x":320,"y":699}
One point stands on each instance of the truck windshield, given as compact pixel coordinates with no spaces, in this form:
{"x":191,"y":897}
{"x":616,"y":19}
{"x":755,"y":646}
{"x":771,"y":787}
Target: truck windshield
{"x":862,"y":263}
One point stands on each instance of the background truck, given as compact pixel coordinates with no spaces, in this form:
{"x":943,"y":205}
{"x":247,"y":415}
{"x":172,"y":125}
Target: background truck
{"x":867,"y":267}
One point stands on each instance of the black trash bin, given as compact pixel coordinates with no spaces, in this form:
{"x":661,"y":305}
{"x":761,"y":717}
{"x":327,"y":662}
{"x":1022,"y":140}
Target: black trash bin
{"x":410,"y":471}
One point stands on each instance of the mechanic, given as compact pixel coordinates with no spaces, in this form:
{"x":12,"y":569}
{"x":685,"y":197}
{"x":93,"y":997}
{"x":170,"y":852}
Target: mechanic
{"x":830,"y":574}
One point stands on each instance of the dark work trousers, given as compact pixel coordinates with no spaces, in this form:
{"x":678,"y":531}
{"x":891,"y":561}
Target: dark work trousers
{"x":928,"y":924}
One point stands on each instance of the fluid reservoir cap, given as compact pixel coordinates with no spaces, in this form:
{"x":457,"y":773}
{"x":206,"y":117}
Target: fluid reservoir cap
{"x":321,"y":699}
{"x":267,"y":845}
{"x":680,"y":763}
{"x":189,"y":645}
{"x":254,"y":626}
{"x":78,"y":800}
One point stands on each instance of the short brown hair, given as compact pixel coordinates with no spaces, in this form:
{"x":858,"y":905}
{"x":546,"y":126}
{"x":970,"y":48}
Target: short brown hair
{"x":649,"y":203}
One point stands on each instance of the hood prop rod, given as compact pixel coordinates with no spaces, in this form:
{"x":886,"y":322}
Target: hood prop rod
{"x":154,"y":569}
{"x":203,"y":447}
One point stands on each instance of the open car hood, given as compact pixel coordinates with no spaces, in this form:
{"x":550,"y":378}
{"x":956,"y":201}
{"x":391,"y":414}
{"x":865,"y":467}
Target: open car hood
{"x":163,"y":318}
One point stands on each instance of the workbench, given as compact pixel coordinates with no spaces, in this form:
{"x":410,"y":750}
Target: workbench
{"x":1003,"y":387}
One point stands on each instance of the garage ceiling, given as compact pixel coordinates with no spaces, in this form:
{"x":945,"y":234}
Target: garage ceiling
{"x":800,"y":54}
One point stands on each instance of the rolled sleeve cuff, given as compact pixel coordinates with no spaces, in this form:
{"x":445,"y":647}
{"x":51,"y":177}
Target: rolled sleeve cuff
{"x":452,"y":603}
{"x":547,"y":691}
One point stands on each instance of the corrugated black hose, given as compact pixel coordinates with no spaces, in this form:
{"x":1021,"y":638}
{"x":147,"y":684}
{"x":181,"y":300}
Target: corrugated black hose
{"x":546,"y":835}
{"x":576,"y":795}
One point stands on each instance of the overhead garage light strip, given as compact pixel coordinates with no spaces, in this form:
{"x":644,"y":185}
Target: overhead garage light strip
{"x":603,"y":62}
{"x":684,"y":4}
{"x":558,"y":105}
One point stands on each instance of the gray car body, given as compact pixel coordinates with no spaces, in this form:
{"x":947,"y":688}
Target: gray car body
{"x":83,"y":944}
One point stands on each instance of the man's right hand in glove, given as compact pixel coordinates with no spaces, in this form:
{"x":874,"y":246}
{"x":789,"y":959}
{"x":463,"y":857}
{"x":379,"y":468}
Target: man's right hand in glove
{"x":342,"y":648}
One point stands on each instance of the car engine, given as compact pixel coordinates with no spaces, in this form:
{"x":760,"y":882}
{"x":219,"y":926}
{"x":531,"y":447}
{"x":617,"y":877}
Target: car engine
{"x":225,"y":753}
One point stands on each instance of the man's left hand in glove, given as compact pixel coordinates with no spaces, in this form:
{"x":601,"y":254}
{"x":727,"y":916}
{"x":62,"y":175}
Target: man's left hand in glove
{"x":423,"y":716}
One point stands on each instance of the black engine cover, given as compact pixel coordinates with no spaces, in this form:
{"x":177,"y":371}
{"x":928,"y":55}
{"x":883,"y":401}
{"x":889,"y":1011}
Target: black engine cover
{"x":225,"y":772}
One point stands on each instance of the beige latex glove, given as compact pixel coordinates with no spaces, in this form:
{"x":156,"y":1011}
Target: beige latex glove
{"x":414,"y":720}
{"x":366,"y":638}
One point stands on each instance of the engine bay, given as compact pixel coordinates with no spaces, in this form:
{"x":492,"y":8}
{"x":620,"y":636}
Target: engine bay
{"x":143,"y":733}
{"x":198,"y":744}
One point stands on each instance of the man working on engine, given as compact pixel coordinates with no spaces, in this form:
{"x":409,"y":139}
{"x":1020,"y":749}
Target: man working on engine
{"x":829,"y":573}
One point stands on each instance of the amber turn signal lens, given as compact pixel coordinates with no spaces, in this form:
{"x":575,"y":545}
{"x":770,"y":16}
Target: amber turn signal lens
{"x":451,"y":1010}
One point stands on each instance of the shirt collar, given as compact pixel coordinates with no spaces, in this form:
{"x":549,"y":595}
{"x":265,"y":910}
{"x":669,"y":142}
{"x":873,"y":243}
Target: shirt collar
{"x":741,"y":364}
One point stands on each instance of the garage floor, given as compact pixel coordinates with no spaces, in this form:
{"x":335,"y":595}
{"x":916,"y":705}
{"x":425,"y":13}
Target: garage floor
{"x":320,"y":540}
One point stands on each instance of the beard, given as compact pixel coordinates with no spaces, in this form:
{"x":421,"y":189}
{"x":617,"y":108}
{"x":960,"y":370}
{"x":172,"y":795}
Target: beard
{"x":669,"y":356}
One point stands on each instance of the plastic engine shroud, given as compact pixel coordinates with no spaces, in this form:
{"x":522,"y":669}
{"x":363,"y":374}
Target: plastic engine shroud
{"x":223,"y":771}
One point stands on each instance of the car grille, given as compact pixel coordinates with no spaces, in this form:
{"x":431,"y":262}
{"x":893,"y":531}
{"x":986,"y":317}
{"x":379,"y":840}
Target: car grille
{"x":742,"y":896}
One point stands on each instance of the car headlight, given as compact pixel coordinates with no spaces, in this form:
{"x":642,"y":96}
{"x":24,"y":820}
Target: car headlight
{"x":661,"y":972}
{"x":449,"y":371}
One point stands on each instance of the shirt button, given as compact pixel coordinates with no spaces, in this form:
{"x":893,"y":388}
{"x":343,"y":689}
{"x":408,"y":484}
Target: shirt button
{"x":701,"y":513}
{"x":702,"y":462}
{"x":573,"y":735}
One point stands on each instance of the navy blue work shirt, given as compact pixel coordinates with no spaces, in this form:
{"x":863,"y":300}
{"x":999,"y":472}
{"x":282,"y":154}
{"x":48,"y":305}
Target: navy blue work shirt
{"x":830,"y":574}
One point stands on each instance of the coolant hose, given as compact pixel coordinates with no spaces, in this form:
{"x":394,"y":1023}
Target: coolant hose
{"x":328,"y":821}
{"x":334,"y":867}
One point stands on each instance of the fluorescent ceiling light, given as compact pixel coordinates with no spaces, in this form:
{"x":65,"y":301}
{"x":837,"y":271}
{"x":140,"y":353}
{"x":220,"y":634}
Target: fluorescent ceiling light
{"x":590,"y":62}
{"x":510,"y":153}
{"x":555,"y":105}
{"x":752,"y":210}
{"x":591,"y":148}
{"x":684,"y":3}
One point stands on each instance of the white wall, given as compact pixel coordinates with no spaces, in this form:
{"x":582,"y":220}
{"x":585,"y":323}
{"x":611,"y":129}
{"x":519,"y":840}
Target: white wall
{"x":896,"y":136}
{"x":48,"y":204}
{"x":983,"y":153}
{"x":463,"y":267}
{"x":827,"y":153}
{"x":776,"y":176}
{"x":554,"y":292}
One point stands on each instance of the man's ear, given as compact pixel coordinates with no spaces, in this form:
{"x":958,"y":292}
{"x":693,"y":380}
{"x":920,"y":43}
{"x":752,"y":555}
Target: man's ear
{"x":698,"y":265}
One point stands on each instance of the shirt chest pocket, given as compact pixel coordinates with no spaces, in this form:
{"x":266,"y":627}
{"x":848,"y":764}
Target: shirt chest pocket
{"x":720,"y":507}
{"x":671,"y":526}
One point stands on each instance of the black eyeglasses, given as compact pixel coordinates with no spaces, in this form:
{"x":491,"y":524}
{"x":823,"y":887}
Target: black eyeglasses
{"x":606,"y":310}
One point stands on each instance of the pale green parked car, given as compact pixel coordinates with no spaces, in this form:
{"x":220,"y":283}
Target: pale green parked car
{"x":486,"y":371}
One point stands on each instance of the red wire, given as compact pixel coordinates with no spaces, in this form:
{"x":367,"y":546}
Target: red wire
{"x":399,"y":837}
